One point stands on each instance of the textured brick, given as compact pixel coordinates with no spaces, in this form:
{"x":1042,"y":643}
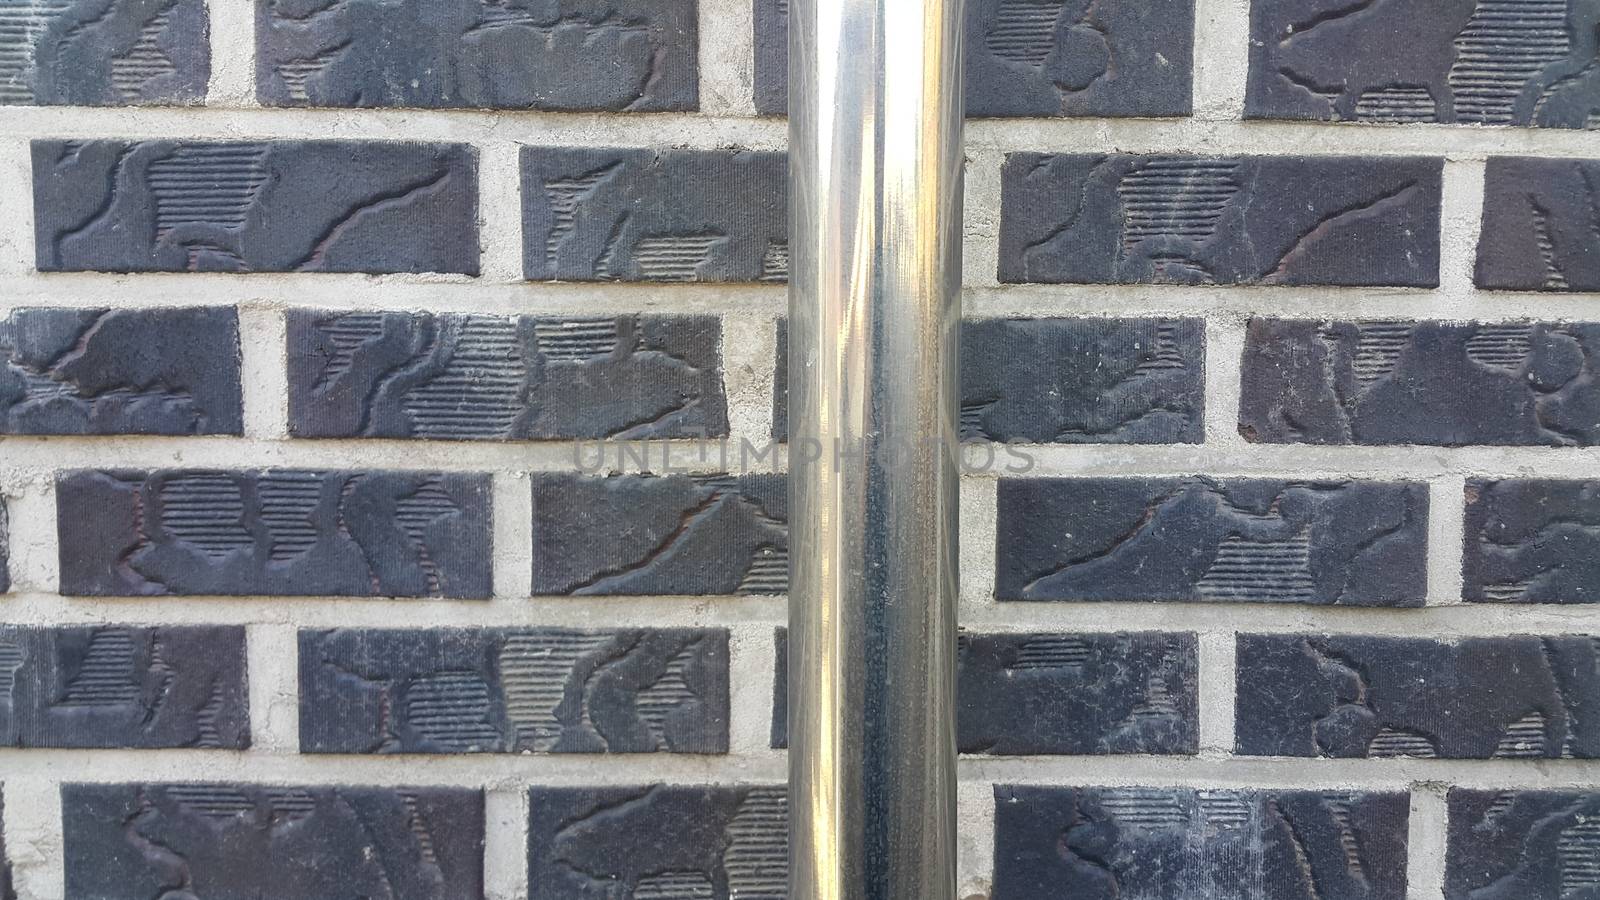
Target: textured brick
{"x":1105,"y":58}
{"x":504,"y":54}
{"x":1289,"y":220}
{"x":1541,"y":221}
{"x":1477,"y":62}
{"x":267,"y":206}
{"x":643,"y":534}
{"x":393,"y":374}
{"x":1068,"y":381}
{"x":1450,"y":384}
{"x":1101,"y":843}
{"x":1520,"y":845}
{"x":487,"y":690}
{"x":5,"y":551}
{"x":276,"y":532}
{"x":658,"y":841}
{"x":1532,"y":541}
{"x":113,"y":686}
{"x":602,"y":214}
{"x":1034,"y":694}
{"x":103,"y":52}
{"x":234,"y":841}
{"x":1347,"y":543}
{"x":1518,"y":697}
{"x":101,"y":371}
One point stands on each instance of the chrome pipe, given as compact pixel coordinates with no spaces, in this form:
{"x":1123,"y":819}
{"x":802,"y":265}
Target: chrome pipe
{"x":875,"y":162}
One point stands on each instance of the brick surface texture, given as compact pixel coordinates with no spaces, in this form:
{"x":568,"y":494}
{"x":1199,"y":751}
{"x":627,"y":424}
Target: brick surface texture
{"x":393,"y":447}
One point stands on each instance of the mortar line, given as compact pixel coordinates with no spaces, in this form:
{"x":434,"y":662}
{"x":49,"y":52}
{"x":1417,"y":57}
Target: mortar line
{"x":34,"y":838}
{"x":1447,"y":518}
{"x":233,"y":54}
{"x":273,"y":680}
{"x":264,"y":372}
{"x":751,"y":671}
{"x":727,"y":57}
{"x":1224,"y":361}
{"x":1460,"y":221}
{"x":979,"y":517}
{"x":980,"y":244}
{"x":1221,"y":59}
{"x":513,"y":540}
{"x":500,"y":212}
{"x":505,"y":848}
{"x":1218,"y":673}
{"x":1426,"y":842}
{"x":16,"y":198}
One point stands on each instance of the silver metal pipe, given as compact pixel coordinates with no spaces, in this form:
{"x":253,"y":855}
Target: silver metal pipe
{"x":875,"y":119}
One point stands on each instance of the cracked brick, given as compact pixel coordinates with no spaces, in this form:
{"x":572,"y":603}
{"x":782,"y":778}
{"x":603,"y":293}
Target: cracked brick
{"x":1511,"y":845}
{"x":1541,"y":222}
{"x":1532,"y":541}
{"x":104,"y":52}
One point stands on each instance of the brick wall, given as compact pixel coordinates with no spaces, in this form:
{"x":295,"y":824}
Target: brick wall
{"x":1275,"y":583}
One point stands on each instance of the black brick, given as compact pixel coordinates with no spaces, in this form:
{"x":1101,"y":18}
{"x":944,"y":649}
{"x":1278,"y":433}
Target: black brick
{"x":268,"y":206}
{"x":1541,"y":221}
{"x":600,"y":214}
{"x":1477,"y":63}
{"x":1346,"y":543}
{"x":275,"y":532}
{"x":1521,"y":845}
{"x":1081,"y":694}
{"x":104,"y":52}
{"x":564,"y":55}
{"x":1068,"y":381}
{"x":1518,"y":697}
{"x":5,"y":548}
{"x":514,"y":690}
{"x":235,"y":841}
{"x":393,"y":374}
{"x":1107,"y":58}
{"x":677,"y":534}
{"x":1101,"y":843}
{"x":1387,"y":382}
{"x":1291,"y":220}
{"x":1532,"y":541}
{"x":100,"y":371}
{"x":658,"y":841}
{"x":112,"y":686}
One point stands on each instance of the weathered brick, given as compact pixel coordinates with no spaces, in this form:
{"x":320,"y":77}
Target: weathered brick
{"x":658,"y":841}
{"x":276,"y":531}
{"x":266,"y":206}
{"x":103,"y":371}
{"x":1108,"y":58}
{"x":237,"y":841}
{"x":564,"y":55}
{"x":1292,"y":220}
{"x":1520,"y":697}
{"x":1100,"y":843}
{"x":5,"y":549}
{"x":1496,"y":62}
{"x":1349,"y":543}
{"x":113,"y":686}
{"x":1532,"y":541}
{"x":1520,"y":845}
{"x":644,"y":534}
{"x":1068,"y":381}
{"x":103,"y":52}
{"x":1539,"y":220}
{"x":1449,"y":384}
{"x":1034,"y":694}
{"x":603,"y":214}
{"x":395,"y":374}
{"x":514,"y":690}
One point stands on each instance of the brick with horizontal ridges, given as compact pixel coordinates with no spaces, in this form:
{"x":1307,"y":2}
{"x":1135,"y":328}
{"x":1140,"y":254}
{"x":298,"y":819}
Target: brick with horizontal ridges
{"x":1512,"y":844}
{"x":104,"y":52}
{"x":1541,"y":220}
{"x":1531,"y":540}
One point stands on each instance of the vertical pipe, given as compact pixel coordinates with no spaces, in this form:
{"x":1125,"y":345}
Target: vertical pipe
{"x":875,"y":118}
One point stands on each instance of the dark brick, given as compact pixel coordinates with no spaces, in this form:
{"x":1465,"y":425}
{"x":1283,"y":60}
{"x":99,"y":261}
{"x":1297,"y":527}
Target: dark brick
{"x":1068,"y":381}
{"x":1518,"y":697}
{"x":677,"y":534}
{"x":502,"y":54}
{"x":1292,"y":220}
{"x":1495,"y":62}
{"x":266,"y":206}
{"x":1105,"y":58}
{"x":1345,"y":543}
{"x":395,"y":374}
{"x":1100,"y":843}
{"x":5,"y":549}
{"x":602,"y":214}
{"x":113,"y":686}
{"x":510,"y":690}
{"x":235,"y":841}
{"x":1034,"y":694}
{"x":1532,"y":541}
{"x":104,"y":52}
{"x":1387,"y":382}
{"x":101,"y":371}
{"x":1521,"y":845}
{"x":1541,"y":221}
{"x":275,"y":532}
{"x":658,"y":841}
